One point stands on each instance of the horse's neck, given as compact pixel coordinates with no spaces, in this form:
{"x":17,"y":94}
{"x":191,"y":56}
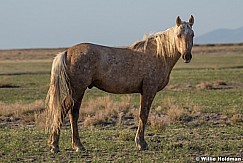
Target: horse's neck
{"x":169,"y":58}
{"x":172,"y":55}
{"x":171,"y":61}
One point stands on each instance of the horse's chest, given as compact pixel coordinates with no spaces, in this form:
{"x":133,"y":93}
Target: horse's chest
{"x":163,"y":83}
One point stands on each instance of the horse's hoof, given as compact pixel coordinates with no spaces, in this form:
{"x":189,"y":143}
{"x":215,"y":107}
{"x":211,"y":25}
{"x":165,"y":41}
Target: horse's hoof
{"x":54,"y":149}
{"x":79,"y":148}
{"x":142,"y":145}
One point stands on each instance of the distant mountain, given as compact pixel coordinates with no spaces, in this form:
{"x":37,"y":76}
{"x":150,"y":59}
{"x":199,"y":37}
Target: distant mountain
{"x":221,"y":36}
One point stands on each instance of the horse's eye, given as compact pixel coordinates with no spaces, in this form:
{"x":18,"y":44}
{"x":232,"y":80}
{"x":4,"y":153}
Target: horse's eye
{"x":179,"y":35}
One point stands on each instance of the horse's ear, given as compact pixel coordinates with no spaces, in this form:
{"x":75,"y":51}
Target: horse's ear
{"x":191,"y":21}
{"x":178,"y":21}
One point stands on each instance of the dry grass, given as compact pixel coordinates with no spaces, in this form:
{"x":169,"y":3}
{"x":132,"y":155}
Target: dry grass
{"x":20,"y":109}
{"x":26,"y":113}
{"x":236,"y":118}
{"x":170,"y":112}
{"x":217,"y":84}
{"x":104,"y":110}
{"x":233,"y":115}
{"x":100,"y":111}
{"x":158,"y":122}
{"x":204,"y":85}
{"x":175,"y":113}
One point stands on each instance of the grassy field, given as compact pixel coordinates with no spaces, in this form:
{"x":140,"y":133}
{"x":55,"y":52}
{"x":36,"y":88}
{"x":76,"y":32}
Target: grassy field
{"x":199,"y":113}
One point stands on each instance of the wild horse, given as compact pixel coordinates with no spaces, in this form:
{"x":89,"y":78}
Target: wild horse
{"x":143,"y":67}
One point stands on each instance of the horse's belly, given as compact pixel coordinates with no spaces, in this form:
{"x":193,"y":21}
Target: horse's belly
{"x":121,"y":86}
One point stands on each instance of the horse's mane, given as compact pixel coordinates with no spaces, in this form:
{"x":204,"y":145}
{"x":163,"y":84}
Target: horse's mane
{"x":164,"y":43}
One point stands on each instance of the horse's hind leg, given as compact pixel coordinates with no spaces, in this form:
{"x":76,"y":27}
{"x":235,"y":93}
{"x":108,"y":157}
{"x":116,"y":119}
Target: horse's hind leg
{"x":55,"y":135}
{"x":54,"y":140}
{"x":74,"y":115}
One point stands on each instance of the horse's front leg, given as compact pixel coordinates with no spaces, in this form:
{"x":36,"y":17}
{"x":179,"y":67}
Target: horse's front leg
{"x":74,"y":115}
{"x":145,"y":104}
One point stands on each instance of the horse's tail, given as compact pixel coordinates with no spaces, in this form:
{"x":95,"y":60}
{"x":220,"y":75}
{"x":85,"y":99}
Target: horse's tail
{"x":59,"y":95}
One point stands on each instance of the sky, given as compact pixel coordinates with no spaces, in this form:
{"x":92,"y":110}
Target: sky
{"x":62,"y":23}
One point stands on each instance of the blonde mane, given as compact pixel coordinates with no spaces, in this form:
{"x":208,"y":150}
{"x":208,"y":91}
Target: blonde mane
{"x":164,"y":42}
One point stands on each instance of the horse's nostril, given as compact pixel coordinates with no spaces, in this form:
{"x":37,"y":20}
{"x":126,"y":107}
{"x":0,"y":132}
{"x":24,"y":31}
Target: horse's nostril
{"x":188,"y":57}
{"x":184,"y":57}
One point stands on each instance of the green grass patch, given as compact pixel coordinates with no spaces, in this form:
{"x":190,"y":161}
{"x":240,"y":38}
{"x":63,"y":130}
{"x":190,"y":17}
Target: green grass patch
{"x":174,"y":144}
{"x":25,"y":66}
{"x":29,"y":88}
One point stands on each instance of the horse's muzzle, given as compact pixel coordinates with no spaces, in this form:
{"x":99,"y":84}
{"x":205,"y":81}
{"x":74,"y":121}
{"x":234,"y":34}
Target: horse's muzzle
{"x":187,"y":57}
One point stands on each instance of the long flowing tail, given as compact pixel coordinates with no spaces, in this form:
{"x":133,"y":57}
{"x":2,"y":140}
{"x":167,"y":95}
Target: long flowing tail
{"x":59,"y":92}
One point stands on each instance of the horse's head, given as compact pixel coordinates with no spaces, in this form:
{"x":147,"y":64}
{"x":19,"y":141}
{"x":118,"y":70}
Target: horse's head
{"x":184,"y":38}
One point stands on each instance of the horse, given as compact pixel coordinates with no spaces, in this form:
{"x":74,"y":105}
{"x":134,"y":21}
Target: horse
{"x":143,"y":67}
